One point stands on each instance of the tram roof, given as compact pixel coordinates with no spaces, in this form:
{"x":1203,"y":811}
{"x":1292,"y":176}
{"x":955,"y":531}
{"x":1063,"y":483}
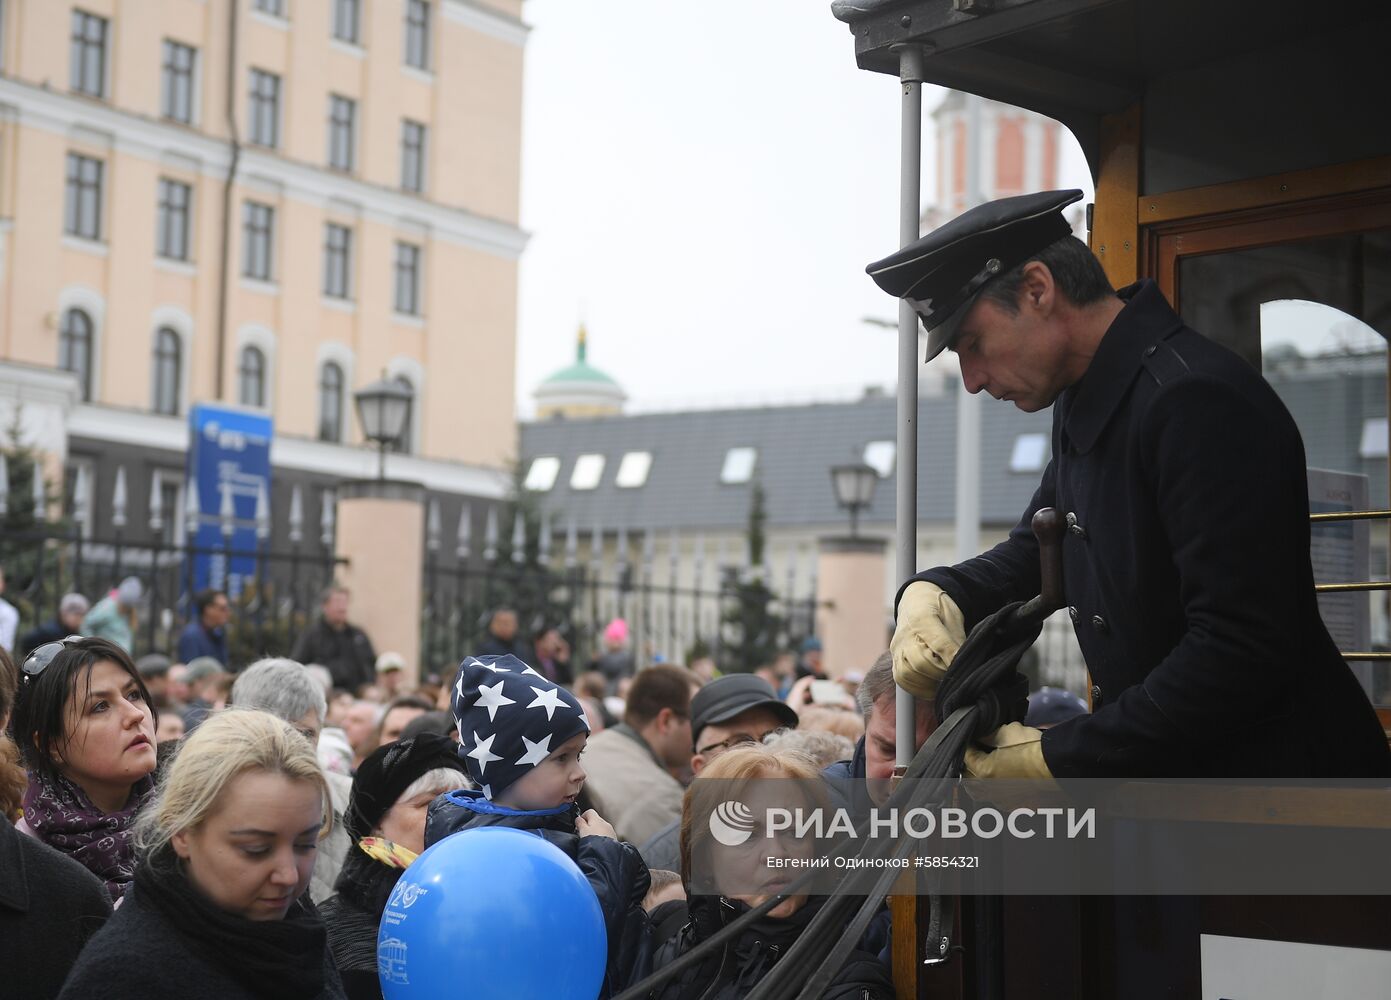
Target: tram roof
{"x":1077,"y":60}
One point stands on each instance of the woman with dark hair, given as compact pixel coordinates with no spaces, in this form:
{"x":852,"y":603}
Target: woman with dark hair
{"x":83,"y":723}
{"x":386,"y":823}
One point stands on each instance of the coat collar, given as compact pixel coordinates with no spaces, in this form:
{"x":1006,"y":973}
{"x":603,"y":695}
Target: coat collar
{"x":14,"y":887}
{"x":1087,"y":406}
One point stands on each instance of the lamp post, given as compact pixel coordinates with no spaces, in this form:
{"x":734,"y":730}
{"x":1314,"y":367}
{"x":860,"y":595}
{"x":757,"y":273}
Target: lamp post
{"x":383,"y":408}
{"x":854,"y":486}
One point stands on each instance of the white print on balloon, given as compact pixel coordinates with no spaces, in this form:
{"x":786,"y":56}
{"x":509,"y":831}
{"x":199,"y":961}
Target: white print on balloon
{"x":391,"y":961}
{"x":406,"y":893}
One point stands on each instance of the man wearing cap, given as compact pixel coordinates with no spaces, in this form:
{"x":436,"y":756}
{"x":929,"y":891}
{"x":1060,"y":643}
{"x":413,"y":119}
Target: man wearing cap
{"x":391,"y":676}
{"x":1181,"y":477}
{"x":729,"y":711}
{"x":72,"y":608}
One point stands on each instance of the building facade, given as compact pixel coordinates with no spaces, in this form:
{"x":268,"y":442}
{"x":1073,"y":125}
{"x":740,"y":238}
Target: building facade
{"x":263,"y":204}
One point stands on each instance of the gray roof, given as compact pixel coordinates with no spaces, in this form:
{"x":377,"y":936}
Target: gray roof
{"x":797,"y":445}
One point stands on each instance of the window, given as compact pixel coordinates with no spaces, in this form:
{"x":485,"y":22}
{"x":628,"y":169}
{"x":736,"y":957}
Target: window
{"x":251,"y":377}
{"x":265,"y":108}
{"x":633,"y":469}
{"x":176,"y":90}
{"x":75,"y":349}
{"x":342,"y":124}
{"x":330,"y":402}
{"x":87,"y":54}
{"x":1373,"y":443}
{"x":738,"y":465}
{"x":168,"y":366}
{"x":588,"y":470}
{"x":408,"y":279}
{"x":412,"y":156}
{"x":258,"y":234}
{"x":347,"y":14}
{"x":418,"y":34}
{"x":171,"y":227}
{"x":405,"y":443}
{"x":879,"y":455}
{"x":338,"y":255}
{"x":1030,"y":453}
{"x":275,"y":8}
{"x":541,"y":476}
{"x":82,"y":207}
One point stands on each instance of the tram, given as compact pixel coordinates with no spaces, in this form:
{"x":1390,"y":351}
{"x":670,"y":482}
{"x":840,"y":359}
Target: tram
{"x":1242,"y":159}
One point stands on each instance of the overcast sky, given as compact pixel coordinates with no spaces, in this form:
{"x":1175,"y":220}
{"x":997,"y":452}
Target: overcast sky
{"x":704,"y":184}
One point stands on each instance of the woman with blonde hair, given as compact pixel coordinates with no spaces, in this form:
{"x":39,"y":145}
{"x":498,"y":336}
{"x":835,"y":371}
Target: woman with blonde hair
{"x":731,"y":972}
{"x":225,"y":854}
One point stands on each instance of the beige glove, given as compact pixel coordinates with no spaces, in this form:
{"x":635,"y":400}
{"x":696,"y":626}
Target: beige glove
{"x":1018,"y":753}
{"x":930,"y":630}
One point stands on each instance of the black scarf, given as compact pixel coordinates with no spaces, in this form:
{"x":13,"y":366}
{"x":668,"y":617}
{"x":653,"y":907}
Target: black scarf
{"x":276,"y":959}
{"x":366,"y":883}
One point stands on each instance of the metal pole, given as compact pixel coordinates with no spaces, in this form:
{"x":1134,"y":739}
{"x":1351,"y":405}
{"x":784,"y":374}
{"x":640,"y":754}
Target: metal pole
{"x":910,"y":74}
{"x":968,"y":404}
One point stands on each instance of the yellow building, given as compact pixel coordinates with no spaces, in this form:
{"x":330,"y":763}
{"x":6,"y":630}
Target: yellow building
{"x":264,"y":203}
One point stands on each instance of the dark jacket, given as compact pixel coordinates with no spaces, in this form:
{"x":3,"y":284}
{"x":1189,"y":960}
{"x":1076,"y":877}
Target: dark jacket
{"x":352,"y":916}
{"x":140,"y":954}
{"x":49,"y":631}
{"x":346,"y":652}
{"x":731,"y":972}
{"x":195,"y":641}
{"x":493,"y":646}
{"x":1186,"y":568}
{"x":614,"y":869}
{"x":49,"y":906}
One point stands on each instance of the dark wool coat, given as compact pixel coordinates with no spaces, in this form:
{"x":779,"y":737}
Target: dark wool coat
{"x":346,"y":652}
{"x":49,"y":906}
{"x":1186,"y":570}
{"x":614,"y":869}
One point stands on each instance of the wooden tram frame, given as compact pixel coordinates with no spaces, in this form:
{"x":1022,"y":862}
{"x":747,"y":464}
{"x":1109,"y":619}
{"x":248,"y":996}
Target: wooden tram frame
{"x":1095,"y":65}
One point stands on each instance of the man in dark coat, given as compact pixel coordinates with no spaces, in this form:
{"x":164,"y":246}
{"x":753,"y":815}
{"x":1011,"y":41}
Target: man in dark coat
{"x":1182,"y":480}
{"x":206,"y":634}
{"x":331,"y":642}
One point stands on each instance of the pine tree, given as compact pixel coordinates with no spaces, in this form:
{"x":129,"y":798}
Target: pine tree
{"x":751,"y":629}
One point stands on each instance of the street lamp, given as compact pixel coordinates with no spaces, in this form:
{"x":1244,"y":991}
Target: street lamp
{"x":384,"y":409}
{"x":854,"y":486}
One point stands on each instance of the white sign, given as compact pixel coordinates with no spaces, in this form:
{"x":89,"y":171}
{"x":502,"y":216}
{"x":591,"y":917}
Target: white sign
{"x":1251,"y":969}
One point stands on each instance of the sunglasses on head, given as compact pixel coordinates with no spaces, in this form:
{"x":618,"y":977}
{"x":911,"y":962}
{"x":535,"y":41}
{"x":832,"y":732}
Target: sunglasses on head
{"x":37,"y":661}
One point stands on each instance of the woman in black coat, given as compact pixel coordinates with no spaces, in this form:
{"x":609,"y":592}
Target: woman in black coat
{"x":219,"y":906}
{"x":731,"y":972}
{"x":386,"y":824}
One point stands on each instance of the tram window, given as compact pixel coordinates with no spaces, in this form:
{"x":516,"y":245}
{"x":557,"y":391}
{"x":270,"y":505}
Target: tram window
{"x":1314,"y":317}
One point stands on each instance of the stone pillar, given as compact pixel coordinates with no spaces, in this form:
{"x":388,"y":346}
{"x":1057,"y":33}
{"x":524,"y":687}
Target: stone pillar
{"x":852,"y":620}
{"x":381,"y":532}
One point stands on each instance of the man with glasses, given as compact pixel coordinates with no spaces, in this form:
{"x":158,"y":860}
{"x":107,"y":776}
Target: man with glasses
{"x":733,"y":711}
{"x":206,"y":634}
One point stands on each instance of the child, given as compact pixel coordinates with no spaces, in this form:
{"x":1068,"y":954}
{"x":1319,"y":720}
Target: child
{"x":521,"y":737}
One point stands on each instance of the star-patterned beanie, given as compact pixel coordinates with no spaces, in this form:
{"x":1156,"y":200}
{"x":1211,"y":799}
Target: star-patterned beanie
{"x":510,"y":719}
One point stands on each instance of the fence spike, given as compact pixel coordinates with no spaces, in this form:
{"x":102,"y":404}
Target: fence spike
{"x":327,"y":514}
{"x":262,"y":512}
{"x":698,"y":562}
{"x":519,"y":537}
{"x":622,"y":549}
{"x":4,"y":485}
{"x":81,"y":494}
{"x":193,"y":508}
{"x":432,"y":526}
{"x":572,"y":543}
{"x":118,"y":496}
{"x":596,"y":545}
{"x":490,"y":535}
{"x":296,"y":515}
{"x":543,"y":541}
{"x":156,"y":501}
{"x":464,"y":536}
{"x":227,"y":511}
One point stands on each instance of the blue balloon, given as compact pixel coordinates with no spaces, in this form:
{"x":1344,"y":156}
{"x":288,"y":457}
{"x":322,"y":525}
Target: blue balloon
{"x":488,"y":913}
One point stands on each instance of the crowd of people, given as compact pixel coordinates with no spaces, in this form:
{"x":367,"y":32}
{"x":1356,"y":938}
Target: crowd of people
{"x":241,"y":826}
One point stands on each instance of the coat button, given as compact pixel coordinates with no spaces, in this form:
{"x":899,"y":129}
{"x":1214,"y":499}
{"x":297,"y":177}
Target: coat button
{"x":1078,"y":530}
{"x":1074,"y":614}
{"x":1096,"y":696}
{"x":1071,"y":519}
{"x":1099,"y":624}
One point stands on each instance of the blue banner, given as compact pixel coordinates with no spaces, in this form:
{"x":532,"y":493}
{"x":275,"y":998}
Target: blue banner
{"x":229,"y":466}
